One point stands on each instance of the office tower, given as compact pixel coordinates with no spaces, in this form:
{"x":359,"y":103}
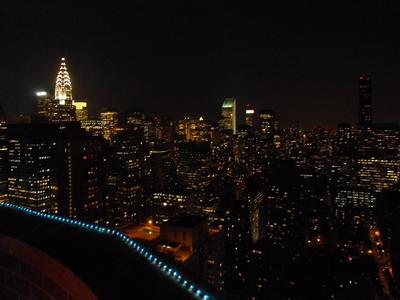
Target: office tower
{"x":284,"y":209}
{"x":43,"y":106}
{"x":183,"y":128}
{"x":344,"y":141}
{"x":32,"y":177}
{"x":165,"y":206}
{"x":378,"y":174}
{"x":250,"y":115}
{"x":162,"y":176}
{"x":245,"y":149}
{"x":378,"y":157}
{"x":81,"y":110}
{"x":168,"y":131}
{"x":3,"y":157}
{"x":315,"y":204}
{"x":355,"y":197}
{"x":135,"y":118}
{"x":343,"y":171}
{"x":192,"y":129}
{"x":64,"y":109}
{"x":109,"y":122}
{"x":237,"y":244}
{"x":150,"y":131}
{"x":228,"y":115}
{"x":257,"y":211}
{"x":93,"y":126}
{"x":128,"y":159}
{"x":80,"y":173}
{"x":365,"y":102}
{"x":194,"y":168}
{"x":193,"y":165}
{"x":294,"y":140}
{"x":267,"y":135}
{"x":268,"y":122}
{"x":63,"y":112}
{"x":318,"y":150}
{"x":223,"y":156}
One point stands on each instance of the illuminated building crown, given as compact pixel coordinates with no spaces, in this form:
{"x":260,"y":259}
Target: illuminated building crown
{"x":63,"y":88}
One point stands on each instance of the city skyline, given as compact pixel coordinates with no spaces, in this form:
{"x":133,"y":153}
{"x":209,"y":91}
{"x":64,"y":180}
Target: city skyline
{"x":63,"y":92}
{"x":187,"y":63}
{"x":207,"y":150}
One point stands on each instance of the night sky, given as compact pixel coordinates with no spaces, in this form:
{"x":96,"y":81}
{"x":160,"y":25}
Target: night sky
{"x":302,"y":60}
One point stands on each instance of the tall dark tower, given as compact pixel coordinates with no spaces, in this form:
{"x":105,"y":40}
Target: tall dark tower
{"x":3,"y":156}
{"x":365,"y":108}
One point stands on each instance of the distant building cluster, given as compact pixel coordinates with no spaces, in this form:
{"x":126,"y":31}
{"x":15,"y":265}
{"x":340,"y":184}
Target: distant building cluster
{"x":244,"y":206}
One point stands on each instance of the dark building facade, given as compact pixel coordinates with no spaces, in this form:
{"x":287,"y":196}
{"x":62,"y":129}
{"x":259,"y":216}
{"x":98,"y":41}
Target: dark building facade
{"x":365,"y":101}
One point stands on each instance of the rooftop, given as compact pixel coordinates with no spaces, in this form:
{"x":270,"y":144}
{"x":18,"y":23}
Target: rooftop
{"x":146,"y":232}
{"x":110,"y":263}
{"x":228,"y":102}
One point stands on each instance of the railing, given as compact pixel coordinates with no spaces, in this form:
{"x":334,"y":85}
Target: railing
{"x":179,"y":279}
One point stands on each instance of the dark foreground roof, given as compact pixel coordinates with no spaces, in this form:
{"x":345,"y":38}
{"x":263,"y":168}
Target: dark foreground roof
{"x":106,"y":262}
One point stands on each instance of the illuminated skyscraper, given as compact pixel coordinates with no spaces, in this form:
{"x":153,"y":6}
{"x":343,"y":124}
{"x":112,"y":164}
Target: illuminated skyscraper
{"x":64,"y":109}
{"x":318,"y":149}
{"x":250,"y":113}
{"x":128,"y":157}
{"x":343,"y":171}
{"x":365,"y":108}
{"x":257,"y":215}
{"x":378,"y":158}
{"x":193,"y":129}
{"x":79,"y":165}
{"x":63,"y":89}
{"x":244,"y":148}
{"x":32,"y":178}
{"x":267,"y":139}
{"x":109,"y":121}
{"x":43,"y":106}
{"x":228,"y":115}
{"x":194,"y":165}
{"x":268,"y":122}
{"x":294,"y":144}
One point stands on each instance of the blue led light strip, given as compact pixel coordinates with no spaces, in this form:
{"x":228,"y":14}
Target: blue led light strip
{"x":151,"y":258}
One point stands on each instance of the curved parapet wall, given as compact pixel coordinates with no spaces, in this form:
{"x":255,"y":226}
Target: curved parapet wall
{"x":28,"y":273}
{"x":112,"y":265}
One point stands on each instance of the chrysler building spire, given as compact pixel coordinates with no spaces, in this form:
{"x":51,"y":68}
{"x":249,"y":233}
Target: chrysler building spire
{"x":63,"y":90}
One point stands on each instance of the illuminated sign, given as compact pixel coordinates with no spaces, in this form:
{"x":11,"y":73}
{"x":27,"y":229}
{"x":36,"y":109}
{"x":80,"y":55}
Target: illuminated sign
{"x":249,"y":111}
